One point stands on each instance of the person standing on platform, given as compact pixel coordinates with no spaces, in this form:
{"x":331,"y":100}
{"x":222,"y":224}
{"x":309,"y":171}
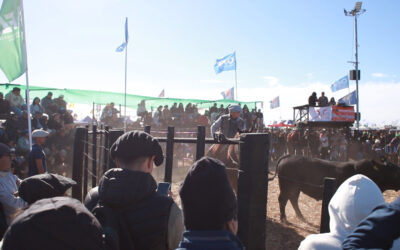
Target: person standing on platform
{"x":37,"y":157}
{"x":323,"y":100}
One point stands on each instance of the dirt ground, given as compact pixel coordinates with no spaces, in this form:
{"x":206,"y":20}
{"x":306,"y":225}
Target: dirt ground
{"x":279,"y":236}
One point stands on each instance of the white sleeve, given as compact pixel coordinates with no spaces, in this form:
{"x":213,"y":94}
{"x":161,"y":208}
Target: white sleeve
{"x":215,"y":126}
{"x":10,"y":203}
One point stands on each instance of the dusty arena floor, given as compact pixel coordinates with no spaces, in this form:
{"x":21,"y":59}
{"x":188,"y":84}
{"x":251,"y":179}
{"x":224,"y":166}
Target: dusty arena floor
{"x":285,"y":236}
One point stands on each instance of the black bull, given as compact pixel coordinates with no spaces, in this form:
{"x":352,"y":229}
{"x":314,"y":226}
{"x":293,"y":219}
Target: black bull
{"x":299,"y":174}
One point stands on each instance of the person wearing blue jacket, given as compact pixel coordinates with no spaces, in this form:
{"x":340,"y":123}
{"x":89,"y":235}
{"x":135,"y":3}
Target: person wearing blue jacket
{"x":209,"y":208}
{"x":379,"y":230}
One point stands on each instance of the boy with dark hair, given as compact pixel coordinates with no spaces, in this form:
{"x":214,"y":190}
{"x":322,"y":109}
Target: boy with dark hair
{"x":209,"y":208}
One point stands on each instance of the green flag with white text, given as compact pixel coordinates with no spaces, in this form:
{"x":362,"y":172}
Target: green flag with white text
{"x":12,"y":59}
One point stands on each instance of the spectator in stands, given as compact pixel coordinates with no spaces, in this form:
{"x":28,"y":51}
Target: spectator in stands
{"x":214,"y":109}
{"x":152,"y":221}
{"x":353,"y":201}
{"x":324,"y":144}
{"x":167,"y":116}
{"x":209,"y":208}
{"x":332,"y":102}
{"x":36,"y":107}
{"x":36,"y":121}
{"x":221,"y":109}
{"x":44,"y":186}
{"x":23,"y":146}
{"x":61,"y":104}
{"x":48,"y":104}
{"x":55,"y":122}
{"x":141,"y":111}
{"x":10,"y":202}
{"x":11,"y":126}
{"x":5,"y":108}
{"x":37,"y":157}
{"x":59,"y":223}
{"x":174,"y":110}
{"x":157,"y":117}
{"x":312,"y":100}
{"x":379,"y":230}
{"x":22,"y":123}
{"x":180,"y":111}
{"x":16,"y":101}
{"x":323,"y":100}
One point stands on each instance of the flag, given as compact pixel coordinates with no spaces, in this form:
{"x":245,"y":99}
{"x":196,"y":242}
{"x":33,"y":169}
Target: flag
{"x":228,"y":94}
{"x":12,"y":59}
{"x":125,"y":43}
{"x":274,"y":103}
{"x":162,"y":94}
{"x":349,"y":99}
{"x":226,"y":63}
{"x":342,"y":83}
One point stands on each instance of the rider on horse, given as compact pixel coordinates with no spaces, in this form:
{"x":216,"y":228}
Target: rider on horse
{"x":229,"y":124}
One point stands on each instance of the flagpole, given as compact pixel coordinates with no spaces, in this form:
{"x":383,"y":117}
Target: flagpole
{"x":26,"y":76}
{"x":236,"y":79}
{"x":126,"y":72}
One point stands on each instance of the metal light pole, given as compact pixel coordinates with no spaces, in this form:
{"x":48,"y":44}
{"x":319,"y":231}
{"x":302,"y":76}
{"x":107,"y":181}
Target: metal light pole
{"x":356,"y":12}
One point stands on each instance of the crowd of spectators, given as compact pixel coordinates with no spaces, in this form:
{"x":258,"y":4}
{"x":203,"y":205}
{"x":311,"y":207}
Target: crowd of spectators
{"x":49,"y":114}
{"x":188,"y":116}
{"x":336,"y":144}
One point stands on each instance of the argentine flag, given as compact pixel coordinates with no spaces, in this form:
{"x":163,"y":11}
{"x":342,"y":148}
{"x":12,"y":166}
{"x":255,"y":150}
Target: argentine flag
{"x":124,"y":44}
{"x":349,"y":99}
{"x":226,"y":63}
{"x":342,"y":83}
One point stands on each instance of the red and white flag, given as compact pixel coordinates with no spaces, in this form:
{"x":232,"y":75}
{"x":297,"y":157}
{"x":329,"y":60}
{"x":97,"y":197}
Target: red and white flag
{"x":162,"y":94}
{"x":229,"y":94}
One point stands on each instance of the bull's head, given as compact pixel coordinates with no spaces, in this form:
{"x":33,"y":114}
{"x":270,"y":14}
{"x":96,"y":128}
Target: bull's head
{"x":386,"y":175}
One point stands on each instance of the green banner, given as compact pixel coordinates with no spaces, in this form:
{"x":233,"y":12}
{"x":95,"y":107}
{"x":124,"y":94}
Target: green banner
{"x":12,"y":60}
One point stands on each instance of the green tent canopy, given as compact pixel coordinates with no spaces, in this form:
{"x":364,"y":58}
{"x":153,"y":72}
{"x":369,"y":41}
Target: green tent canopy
{"x":89,"y":97}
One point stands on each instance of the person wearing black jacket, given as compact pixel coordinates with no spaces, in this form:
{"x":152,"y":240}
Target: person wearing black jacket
{"x":143,"y":219}
{"x":380,"y":230}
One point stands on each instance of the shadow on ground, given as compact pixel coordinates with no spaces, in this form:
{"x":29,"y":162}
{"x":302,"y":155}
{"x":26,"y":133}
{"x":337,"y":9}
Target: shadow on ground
{"x":280,"y":236}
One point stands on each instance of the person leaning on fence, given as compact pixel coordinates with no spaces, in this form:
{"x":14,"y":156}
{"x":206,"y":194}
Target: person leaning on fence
{"x":209,"y":208}
{"x":132,"y":213}
{"x":37,"y":157}
{"x":229,"y":124}
{"x":353,"y":201}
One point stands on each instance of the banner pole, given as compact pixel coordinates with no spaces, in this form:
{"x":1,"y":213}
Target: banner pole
{"x":126,"y":66}
{"x":26,"y":76}
{"x":236,"y":89}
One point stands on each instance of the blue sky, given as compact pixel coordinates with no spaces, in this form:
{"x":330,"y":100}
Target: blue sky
{"x":285,"y":48}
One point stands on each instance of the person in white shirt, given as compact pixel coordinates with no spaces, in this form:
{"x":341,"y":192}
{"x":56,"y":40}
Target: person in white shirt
{"x":8,"y":186}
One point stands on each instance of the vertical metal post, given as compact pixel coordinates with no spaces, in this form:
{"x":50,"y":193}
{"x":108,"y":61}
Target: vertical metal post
{"x":147,"y":129}
{"x":94,"y":156}
{"x":357,"y":75}
{"x":77,"y":163}
{"x":169,"y":155}
{"x":253,"y":189}
{"x":93,"y":114}
{"x":201,"y":142}
{"x":106,"y":149}
{"x":86,"y":161}
{"x":329,"y":191}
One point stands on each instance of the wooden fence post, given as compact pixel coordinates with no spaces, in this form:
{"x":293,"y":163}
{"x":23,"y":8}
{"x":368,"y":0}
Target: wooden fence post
{"x":86,"y":161}
{"x":169,"y":155}
{"x":77,"y":163}
{"x":201,"y":142}
{"x":94,"y":156}
{"x":253,"y":189}
{"x":329,"y":191}
{"x":106,"y":149}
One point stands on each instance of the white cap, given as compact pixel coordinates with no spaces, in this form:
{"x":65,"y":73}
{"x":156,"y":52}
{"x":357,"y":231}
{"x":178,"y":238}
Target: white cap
{"x":39,"y":133}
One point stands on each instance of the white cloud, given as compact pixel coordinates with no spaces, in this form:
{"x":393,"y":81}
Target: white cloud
{"x":310,"y":76}
{"x":272,"y":81}
{"x":379,"y":75}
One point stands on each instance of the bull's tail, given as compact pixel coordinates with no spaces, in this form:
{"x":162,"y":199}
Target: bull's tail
{"x":277,"y":166}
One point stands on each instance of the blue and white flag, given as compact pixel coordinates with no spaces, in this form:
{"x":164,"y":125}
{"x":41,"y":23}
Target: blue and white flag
{"x":274,"y":103}
{"x":349,"y":99}
{"x":226,"y":63}
{"x":125,"y":43}
{"x":229,"y":94}
{"x":342,"y":83}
